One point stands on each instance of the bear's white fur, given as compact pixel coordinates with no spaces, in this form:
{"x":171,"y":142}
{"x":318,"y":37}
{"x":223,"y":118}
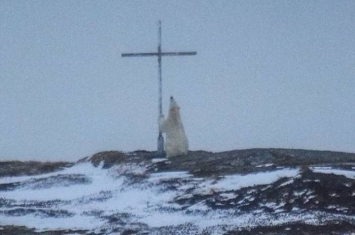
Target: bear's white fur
{"x":176,"y":143}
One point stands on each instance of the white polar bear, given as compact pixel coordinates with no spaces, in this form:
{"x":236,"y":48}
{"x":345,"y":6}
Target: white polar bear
{"x":176,"y":143}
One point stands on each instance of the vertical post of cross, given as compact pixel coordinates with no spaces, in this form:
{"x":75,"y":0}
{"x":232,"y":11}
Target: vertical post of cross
{"x":160,"y":147}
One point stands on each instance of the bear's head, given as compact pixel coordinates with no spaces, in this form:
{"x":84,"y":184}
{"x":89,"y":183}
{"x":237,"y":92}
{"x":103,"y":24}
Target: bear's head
{"x":174,"y":110}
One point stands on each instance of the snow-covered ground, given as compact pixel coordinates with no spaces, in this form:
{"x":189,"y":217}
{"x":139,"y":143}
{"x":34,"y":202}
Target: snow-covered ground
{"x":88,"y":198}
{"x":329,"y":170}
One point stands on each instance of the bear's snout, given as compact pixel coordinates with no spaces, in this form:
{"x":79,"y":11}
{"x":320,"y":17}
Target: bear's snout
{"x":171,"y":98}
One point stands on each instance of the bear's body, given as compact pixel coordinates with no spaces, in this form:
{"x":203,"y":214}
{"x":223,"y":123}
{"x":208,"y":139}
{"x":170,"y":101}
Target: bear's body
{"x":176,"y":143}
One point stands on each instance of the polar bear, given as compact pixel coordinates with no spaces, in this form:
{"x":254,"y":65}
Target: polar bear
{"x":176,"y":143}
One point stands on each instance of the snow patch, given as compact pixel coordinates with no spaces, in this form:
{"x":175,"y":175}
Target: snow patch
{"x":236,"y":182}
{"x":265,"y":165}
{"x":328,"y":170}
{"x":156,"y":160}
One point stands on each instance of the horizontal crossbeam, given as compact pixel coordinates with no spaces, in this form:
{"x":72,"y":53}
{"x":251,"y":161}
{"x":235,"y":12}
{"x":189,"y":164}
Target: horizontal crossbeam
{"x":157,"y":54}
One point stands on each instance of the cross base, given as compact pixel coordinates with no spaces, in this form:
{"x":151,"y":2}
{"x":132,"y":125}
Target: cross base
{"x":161,"y":152}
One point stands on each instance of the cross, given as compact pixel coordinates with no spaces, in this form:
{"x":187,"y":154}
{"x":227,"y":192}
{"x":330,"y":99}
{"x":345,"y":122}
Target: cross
{"x":159,"y":54}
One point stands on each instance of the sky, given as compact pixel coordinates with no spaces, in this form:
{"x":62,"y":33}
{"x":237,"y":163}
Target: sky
{"x":267,"y":74}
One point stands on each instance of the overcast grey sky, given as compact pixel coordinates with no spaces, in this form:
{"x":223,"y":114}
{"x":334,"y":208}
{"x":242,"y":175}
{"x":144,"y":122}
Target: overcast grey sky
{"x":266,"y":74}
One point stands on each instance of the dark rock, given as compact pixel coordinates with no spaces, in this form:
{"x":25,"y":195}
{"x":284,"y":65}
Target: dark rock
{"x":108,"y":158}
{"x":17,"y":168}
{"x":335,"y":228}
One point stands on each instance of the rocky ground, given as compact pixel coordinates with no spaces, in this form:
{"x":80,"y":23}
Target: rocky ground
{"x":17,"y":168}
{"x":310,"y":192}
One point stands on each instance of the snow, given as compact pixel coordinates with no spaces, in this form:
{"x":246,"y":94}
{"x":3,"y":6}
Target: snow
{"x":42,"y":224}
{"x":328,"y":170}
{"x":110,"y":191}
{"x":100,"y":182}
{"x":227,"y":196}
{"x":156,"y":160}
{"x":169,"y":175}
{"x":265,"y":165}
{"x":235,"y":182}
{"x":286,"y":183}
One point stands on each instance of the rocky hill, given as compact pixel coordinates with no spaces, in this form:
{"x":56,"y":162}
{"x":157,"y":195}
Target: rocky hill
{"x":254,"y":191}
